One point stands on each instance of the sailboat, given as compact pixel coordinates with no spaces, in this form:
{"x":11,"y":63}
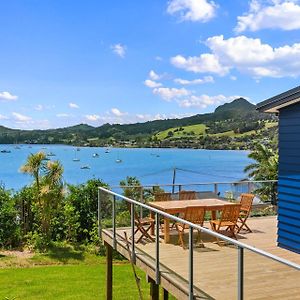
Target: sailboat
{"x":76,"y":158}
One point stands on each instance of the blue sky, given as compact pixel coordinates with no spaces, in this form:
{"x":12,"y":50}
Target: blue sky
{"x":66,"y":62}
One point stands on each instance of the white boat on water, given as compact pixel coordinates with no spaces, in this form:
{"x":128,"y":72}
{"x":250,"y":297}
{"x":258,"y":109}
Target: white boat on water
{"x":85,"y":167}
{"x":118,"y":160}
{"x":95,"y":155}
{"x":76,"y":158}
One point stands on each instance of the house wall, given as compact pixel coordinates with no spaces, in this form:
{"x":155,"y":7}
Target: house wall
{"x":289,"y":178}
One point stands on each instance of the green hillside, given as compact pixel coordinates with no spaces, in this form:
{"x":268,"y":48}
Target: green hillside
{"x":179,"y":132}
{"x":237,"y":120}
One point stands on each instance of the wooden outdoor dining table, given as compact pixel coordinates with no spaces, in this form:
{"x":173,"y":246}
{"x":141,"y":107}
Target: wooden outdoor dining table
{"x":178,"y":206}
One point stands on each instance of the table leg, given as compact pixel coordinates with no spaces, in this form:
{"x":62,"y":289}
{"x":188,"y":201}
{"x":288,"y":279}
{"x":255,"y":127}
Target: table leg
{"x":213,"y":215}
{"x":167,"y":230}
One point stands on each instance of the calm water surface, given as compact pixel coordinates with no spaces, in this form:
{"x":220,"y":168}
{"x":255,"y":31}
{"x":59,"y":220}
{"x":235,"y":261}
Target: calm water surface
{"x":151,"y":166}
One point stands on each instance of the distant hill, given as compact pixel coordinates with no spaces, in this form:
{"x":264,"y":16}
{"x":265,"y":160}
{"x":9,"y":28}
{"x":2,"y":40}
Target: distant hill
{"x":238,"y":115}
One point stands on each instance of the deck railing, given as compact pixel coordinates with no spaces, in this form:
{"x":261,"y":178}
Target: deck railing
{"x":158,"y":214}
{"x":229,"y":190}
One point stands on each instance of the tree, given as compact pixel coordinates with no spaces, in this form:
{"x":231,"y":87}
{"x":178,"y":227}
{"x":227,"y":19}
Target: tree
{"x":84,"y":199}
{"x":34,"y":165}
{"x":48,"y":187}
{"x":264,"y":167}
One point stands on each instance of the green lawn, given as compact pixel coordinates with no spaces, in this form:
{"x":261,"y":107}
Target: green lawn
{"x":64,"y":272}
{"x":67,"y":282}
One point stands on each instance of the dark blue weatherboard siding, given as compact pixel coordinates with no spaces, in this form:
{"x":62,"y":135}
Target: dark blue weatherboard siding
{"x":289,"y":178}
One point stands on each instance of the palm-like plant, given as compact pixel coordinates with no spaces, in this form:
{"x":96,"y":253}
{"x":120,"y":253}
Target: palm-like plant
{"x":34,"y":165}
{"x":49,"y":186}
{"x":264,"y":167}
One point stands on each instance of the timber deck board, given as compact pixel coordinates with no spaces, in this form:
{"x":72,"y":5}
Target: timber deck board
{"x":215,"y":267}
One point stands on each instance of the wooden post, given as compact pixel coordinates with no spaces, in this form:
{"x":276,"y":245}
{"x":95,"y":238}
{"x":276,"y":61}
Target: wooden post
{"x":154,"y":289}
{"x":109,"y":272}
{"x":166,"y":294}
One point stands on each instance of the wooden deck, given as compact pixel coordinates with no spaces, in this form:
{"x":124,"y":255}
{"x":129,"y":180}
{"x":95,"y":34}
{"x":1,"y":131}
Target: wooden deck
{"x":215,"y":267}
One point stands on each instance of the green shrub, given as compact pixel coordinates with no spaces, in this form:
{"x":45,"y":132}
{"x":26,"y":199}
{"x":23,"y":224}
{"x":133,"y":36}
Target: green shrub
{"x":10,"y":233}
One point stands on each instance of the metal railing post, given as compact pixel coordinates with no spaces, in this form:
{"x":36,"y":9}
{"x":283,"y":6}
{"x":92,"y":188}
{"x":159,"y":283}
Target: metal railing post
{"x":191,"y":264}
{"x":99,"y":216}
{"x":132,"y":212}
{"x":157,"y":271}
{"x":114,"y":222}
{"x":240,"y":273}
{"x":179,"y":188}
{"x":142,"y":201}
{"x":249,"y":187}
{"x":216,"y":188}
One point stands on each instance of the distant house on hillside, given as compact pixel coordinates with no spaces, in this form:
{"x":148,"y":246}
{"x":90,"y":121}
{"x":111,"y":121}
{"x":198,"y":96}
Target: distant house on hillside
{"x":287,"y":106}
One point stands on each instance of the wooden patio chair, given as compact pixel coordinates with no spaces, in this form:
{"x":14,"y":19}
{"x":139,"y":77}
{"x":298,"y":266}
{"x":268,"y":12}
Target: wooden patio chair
{"x":187,"y":195}
{"x":194,"y":215}
{"x":228,"y":219}
{"x":246,"y":205}
{"x":162,"y":196}
{"x":142,"y":225}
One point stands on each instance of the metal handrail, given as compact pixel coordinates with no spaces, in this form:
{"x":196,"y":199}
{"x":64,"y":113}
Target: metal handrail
{"x":206,"y":230}
{"x":194,"y":183}
{"x":240,"y":246}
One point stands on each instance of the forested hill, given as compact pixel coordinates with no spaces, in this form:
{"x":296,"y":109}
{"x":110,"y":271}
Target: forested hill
{"x":238,"y":116}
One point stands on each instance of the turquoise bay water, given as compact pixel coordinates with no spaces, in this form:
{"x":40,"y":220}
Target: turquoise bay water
{"x":151,"y":166}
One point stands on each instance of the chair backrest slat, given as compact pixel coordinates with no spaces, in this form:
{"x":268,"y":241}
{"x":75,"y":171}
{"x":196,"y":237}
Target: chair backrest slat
{"x":195,"y":214}
{"x":230,"y":213}
{"x":162,"y":197}
{"x":187,"y":195}
{"x":246,"y":201}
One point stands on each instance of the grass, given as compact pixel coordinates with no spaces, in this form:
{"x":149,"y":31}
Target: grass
{"x":64,"y":272}
{"x":197,"y":129}
{"x":200,"y":130}
{"x":67,"y":282}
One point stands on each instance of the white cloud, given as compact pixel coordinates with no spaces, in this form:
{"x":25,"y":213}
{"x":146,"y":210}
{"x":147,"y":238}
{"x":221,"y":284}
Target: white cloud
{"x":116,"y":112}
{"x":192,"y":10}
{"x":171,"y":93}
{"x":62,"y":115}
{"x":149,"y":117}
{"x":152,"y":84}
{"x":154,"y":76}
{"x":248,"y":55}
{"x":21,"y":118}
{"x":73,"y":105}
{"x":204,"y":63}
{"x":281,"y":14}
{"x":205,"y":79}
{"x":252,"y":56}
{"x":3,"y":117}
{"x":92,"y":118}
{"x":6,"y":96}
{"x":119,"y":50}
{"x":203,"y":101}
{"x":233,"y":78}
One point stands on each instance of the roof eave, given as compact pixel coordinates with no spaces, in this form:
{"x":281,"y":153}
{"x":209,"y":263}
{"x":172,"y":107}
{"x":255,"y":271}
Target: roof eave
{"x":275,"y":108}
